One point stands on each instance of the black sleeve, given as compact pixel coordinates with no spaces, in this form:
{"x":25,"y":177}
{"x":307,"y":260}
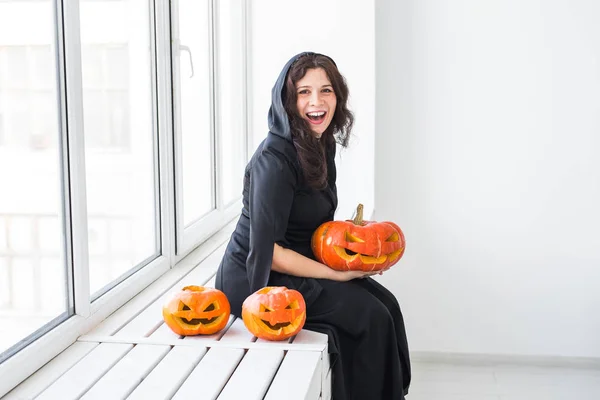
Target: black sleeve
{"x":270,"y":197}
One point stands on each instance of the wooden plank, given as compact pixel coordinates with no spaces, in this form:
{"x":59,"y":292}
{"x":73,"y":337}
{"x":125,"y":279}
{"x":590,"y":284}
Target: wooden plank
{"x":211,"y":374}
{"x":83,"y":375}
{"x":168,"y":376}
{"x":127,"y":374}
{"x":193,"y":269}
{"x":164,"y":333}
{"x":326,"y":387}
{"x":211,"y":282}
{"x":253,"y":376}
{"x":305,"y":337}
{"x":216,"y":367}
{"x":298,"y":377}
{"x":199,"y":343}
{"x":237,"y":333}
{"x":173,"y":370}
{"x":50,"y":372}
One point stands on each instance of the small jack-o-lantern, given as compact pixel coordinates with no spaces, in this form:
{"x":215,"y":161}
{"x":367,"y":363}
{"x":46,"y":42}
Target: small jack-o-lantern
{"x":274,"y":313}
{"x":196,"y":310}
{"x":358,"y":245}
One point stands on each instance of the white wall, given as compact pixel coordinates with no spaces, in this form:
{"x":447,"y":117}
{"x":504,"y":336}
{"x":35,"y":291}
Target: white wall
{"x":343,"y":30}
{"x":488,"y":135}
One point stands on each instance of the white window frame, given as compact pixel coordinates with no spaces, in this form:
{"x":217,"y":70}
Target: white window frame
{"x":88,"y":314}
{"x":187,"y":238}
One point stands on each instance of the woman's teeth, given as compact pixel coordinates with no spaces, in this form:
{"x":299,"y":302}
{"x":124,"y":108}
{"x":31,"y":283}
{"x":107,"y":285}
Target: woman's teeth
{"x":316,"y":116}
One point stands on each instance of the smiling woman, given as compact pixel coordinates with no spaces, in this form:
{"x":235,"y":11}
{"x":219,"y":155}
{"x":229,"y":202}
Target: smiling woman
{"x":316,"y":100}
{"x":289,"y":191}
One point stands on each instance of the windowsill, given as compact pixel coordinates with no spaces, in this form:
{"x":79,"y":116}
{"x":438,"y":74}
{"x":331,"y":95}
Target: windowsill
{"x":23,"y":364}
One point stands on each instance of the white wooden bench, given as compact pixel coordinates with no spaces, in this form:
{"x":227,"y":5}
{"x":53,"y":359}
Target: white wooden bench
{"x":134,"y":355}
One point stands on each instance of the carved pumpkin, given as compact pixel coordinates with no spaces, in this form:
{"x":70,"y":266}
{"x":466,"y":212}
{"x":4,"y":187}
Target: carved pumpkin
{"x":196,"y":310}
{"x":357,"y":244}
{"x":274,"y":313}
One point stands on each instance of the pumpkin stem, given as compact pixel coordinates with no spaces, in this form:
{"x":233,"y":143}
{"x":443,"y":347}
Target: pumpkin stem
{"x":358,"y":220}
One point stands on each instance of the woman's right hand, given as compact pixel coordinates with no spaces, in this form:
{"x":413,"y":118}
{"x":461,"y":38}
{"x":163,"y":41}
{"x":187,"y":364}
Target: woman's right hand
{"x":345,"y":276}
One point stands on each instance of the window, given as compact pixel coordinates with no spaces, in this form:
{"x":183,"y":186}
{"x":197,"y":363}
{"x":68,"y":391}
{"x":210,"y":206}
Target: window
{"x":209,"y":94}
{"x":120,"y":157}
{"x":121,"y":150}
{"x":34,"y":271}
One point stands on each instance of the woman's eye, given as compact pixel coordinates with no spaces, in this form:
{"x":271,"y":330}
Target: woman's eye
{"x":327,"y":90}
{"x":303,"y":91}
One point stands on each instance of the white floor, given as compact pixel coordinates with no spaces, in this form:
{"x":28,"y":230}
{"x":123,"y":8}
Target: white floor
{"x":502,"y":382}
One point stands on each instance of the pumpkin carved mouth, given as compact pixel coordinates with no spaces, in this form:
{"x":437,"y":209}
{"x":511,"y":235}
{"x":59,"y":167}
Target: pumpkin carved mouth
{"x":350,"y":255}
{"x":279,"y":327}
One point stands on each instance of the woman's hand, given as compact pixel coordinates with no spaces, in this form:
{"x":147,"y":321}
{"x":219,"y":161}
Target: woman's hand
{"x":345,"y":276}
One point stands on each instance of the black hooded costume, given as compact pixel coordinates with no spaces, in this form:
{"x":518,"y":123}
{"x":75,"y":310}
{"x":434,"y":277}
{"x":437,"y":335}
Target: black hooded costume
{"x":362,"y":319}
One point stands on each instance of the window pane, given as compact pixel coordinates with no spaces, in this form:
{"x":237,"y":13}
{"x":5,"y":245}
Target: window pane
{"x":192,"y":96}
{"x":231,"y":98}
{"x":119,"y":139}
{"x":33,"y":272}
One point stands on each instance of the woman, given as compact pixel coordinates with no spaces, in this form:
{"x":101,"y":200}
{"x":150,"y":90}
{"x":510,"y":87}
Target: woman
{"x":289,"y":190}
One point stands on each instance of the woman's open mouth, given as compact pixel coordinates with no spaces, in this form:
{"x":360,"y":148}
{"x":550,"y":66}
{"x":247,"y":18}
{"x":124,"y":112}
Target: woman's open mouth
{"x":316,"y":117}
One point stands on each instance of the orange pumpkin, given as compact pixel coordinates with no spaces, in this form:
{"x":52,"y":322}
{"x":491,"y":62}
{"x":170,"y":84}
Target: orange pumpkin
{"x":274,"y":313}
{"x":357,"y":244}
{"x":196,"y":310}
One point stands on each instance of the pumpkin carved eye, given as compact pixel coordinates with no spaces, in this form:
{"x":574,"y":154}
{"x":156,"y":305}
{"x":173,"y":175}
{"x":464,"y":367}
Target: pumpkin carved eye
{"x":394,"y":237}
{"x":350,"y":238}
{"x":197,"y":310}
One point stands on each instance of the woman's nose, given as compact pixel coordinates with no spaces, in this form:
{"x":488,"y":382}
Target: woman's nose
{"x":315,"y":99}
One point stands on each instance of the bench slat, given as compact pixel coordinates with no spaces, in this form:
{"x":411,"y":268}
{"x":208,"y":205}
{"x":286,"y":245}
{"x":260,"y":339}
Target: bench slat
{"x":169,"y":374}
{"x":306,"y":336}
{"x":215,"y":368}
{"x":237,"y":333}
{"x":211,"y":282}
{"x":127,"y":374}
{"x":211,"y":374}
{"x":253,"y":376}
{"x":78,"y":380}
{"x":164,"y":333}
{"x":50,"y":372}
{"x":326,"y":385}
{"x":298,"y":377}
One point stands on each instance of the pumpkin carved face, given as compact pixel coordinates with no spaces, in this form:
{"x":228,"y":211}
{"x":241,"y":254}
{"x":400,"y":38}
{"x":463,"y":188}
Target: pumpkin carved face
{"x":274,"y":313}
{"x":196,"y":310}
{"x":358,"y":245}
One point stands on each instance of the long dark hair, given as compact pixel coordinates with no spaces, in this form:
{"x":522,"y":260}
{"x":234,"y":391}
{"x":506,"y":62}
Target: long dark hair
{"x":312,"y":152}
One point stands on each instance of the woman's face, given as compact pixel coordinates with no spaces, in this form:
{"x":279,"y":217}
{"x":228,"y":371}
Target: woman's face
{"x":316,"y":100}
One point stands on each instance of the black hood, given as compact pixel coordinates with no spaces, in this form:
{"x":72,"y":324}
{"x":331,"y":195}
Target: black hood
{"x":278,"y":119}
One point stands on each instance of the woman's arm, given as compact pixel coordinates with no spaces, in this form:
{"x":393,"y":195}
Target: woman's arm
{"x":290,"y":262}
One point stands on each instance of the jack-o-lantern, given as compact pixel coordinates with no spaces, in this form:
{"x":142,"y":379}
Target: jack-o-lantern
{"x":196,"y":310}
{"x":274,"y":313}
{"x":358,"y":245}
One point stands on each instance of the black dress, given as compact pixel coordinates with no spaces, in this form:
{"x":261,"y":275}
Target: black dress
{"x":362,"y":319}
